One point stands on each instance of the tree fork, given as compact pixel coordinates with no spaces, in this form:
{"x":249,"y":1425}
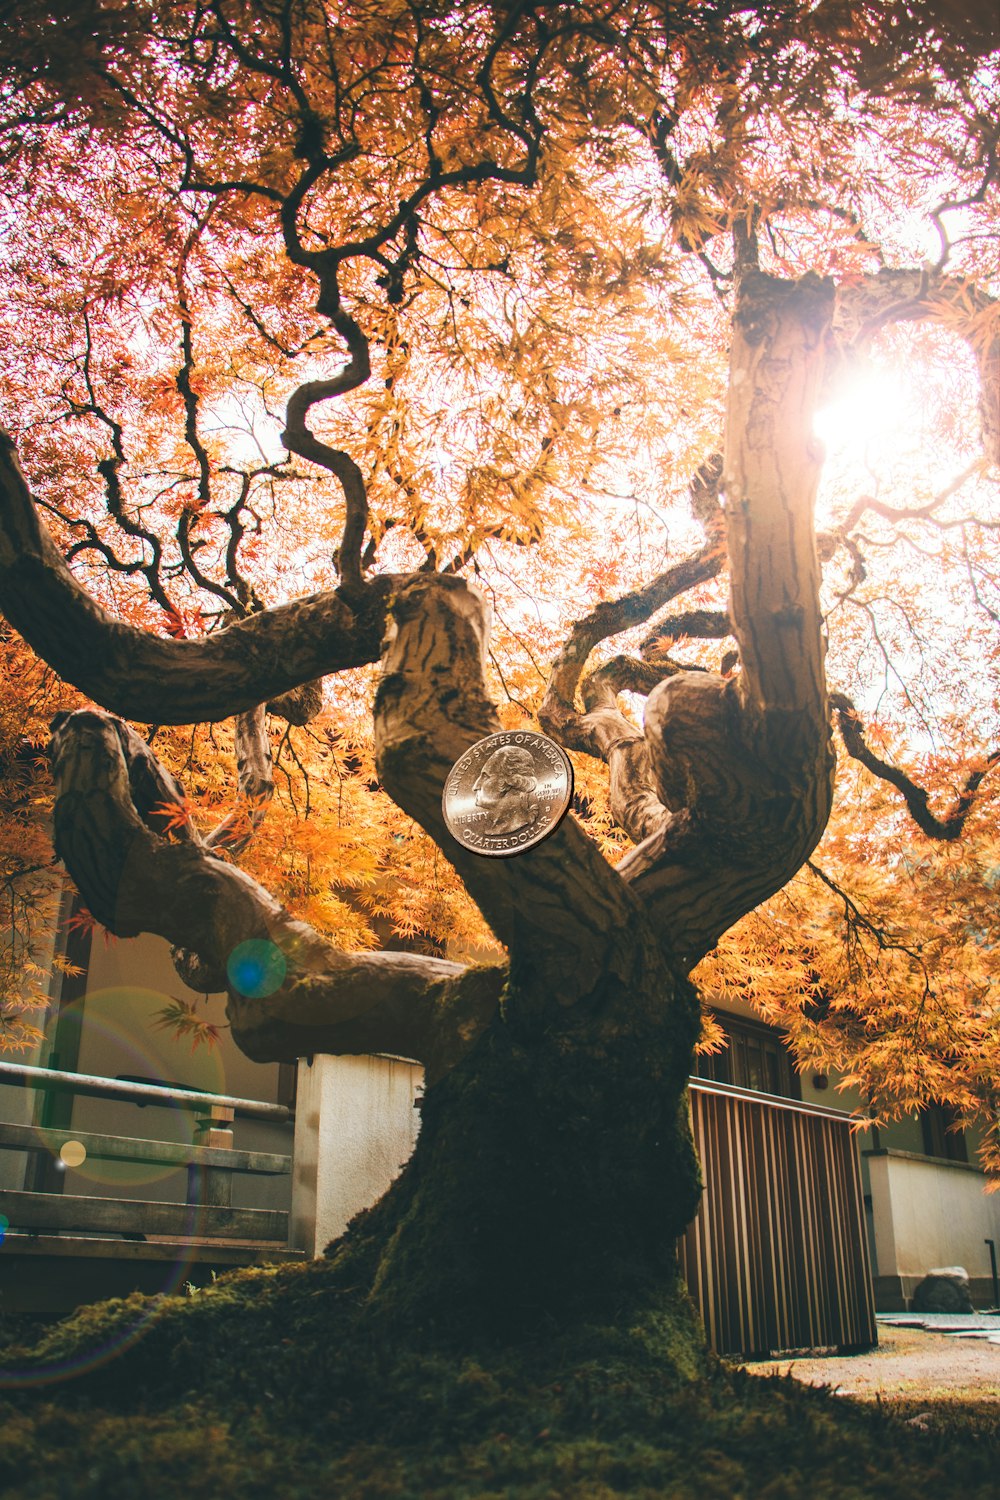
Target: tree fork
{"x":555,"y":1165}
{"x":563,"y":912}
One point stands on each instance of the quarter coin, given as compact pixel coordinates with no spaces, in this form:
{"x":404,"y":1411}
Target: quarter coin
{"x":507,"y":793}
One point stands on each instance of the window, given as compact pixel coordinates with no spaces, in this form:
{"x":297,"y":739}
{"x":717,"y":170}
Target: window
{"x":940,"y":1137}
{"x":755,"y":1058}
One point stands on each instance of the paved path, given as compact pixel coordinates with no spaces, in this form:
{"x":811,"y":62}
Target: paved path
{"x":959,"y":1325}
{"x":910,"y":1363}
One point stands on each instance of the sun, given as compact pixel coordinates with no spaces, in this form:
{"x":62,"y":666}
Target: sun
{"x":867,"y":419}
{"x":876,"y":438}
{"x":900,"y":422}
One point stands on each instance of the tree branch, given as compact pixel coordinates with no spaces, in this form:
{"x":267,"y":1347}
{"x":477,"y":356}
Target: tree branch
{"x":743,"y":765}
{"x":693,"y":624}
{"x":300,"y":705}
{"x":893,"y":513}
{"x":632,"y":796}
{"x":559,"y":907}
{"x":602,"y":729}
{"x":916,"y":797}
{"x":141,"y":867}
{"x":150,"y":679}
{"x":771,"y":477}
{"x":855,"y":918}
{"x":298,"y":438}
{"x":255,"y":781}
{"x":558,"y":713}
{"x":109,"y":470}
{"x":185,"y":387}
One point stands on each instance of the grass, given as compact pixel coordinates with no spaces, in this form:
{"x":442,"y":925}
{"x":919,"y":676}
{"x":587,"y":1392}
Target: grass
{"x":269,"y":1384}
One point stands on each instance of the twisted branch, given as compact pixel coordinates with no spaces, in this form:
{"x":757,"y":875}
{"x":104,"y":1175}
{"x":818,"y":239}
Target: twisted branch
{"x":691,"y":624}
{"x":147,"y":678}
{"x":121,"y":827}
{"x":916,"y":797}
{"x":558,"y":713}
{"x":559,"y":907}
{"x":602,"y":729}
{"x":109,"y":470}
{"x":298,"y":438}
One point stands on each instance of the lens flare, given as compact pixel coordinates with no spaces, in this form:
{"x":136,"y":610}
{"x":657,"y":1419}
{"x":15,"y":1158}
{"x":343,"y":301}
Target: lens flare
{"x":116,"y":1040}
{"x":256,"y":968}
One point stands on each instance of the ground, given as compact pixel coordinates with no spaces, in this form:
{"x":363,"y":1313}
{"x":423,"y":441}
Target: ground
{"x":266,"y":1385}
{"x":910,"y":1364}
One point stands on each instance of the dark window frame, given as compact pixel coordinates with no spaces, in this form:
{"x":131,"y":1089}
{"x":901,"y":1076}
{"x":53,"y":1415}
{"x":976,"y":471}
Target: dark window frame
{"x":756,"y":1056}
{"x":941,"y":1139}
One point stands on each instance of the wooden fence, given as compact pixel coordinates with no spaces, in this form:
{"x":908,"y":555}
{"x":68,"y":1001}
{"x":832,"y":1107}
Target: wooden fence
{"x":211,"y":1163}
{"x":777,"y":1257}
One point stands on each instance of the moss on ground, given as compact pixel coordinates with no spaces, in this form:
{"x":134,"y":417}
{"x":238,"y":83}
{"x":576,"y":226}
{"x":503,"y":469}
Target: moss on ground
{"x":272,"y":1384}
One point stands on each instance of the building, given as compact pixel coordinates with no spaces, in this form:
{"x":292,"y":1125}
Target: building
{"x":803,"y":1218}
{"x":926,"y":1199}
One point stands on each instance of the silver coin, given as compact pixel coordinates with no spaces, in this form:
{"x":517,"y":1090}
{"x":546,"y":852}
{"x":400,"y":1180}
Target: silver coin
{"x":507,"y":793}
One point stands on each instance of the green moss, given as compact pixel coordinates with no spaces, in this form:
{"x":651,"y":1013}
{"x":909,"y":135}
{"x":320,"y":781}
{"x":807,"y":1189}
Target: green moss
{"x":506,"y":1322}
{"x":271,"y":1384}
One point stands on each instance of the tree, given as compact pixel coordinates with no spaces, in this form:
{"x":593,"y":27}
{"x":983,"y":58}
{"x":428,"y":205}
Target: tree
{"x":535,"y":236}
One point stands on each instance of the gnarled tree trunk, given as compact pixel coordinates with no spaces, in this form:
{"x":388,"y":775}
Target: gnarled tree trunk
{"x":555,"y":1165}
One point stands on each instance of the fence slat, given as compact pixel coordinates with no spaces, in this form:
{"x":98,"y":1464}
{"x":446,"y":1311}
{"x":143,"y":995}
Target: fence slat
{"x":777,"y":1257}
{"x":128,"y":1148}
{"x":30,"y":1211}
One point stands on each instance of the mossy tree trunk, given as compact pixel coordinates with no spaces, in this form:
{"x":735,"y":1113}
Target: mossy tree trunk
{"x":556,"y":1167}
{"x":550,"y":1181}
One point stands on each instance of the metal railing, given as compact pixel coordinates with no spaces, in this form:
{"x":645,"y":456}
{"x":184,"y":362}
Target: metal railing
{"x":24,"y":1076}
{"x":210,"y":1159}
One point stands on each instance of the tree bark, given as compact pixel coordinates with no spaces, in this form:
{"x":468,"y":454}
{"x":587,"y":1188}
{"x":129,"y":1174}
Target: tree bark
{"x":140,"y":870}
{"x":550,"y":1181}
{"x":555,"y":1165}
{"x":154,"y":680}
{"x":559,"y":908}
{"x":745,"y":765}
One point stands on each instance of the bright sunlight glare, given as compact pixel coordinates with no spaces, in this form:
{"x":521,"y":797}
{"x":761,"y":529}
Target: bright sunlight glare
{"x":867,"y":415}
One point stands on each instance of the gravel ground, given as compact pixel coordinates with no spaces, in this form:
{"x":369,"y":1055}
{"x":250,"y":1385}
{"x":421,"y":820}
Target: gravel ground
{"x":909,"y":1363}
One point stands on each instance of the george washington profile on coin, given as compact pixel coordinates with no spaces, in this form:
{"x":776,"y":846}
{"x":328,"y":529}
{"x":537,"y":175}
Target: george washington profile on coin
{"x":507,"y":792}
{"x":505,"y":788}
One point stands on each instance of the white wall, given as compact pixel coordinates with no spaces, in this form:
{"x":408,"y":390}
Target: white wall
{"x":930,"y":1213}
{"x":356,"y":1123}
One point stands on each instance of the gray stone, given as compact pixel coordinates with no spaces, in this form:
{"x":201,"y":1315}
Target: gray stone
{"x":942,"y":1293}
